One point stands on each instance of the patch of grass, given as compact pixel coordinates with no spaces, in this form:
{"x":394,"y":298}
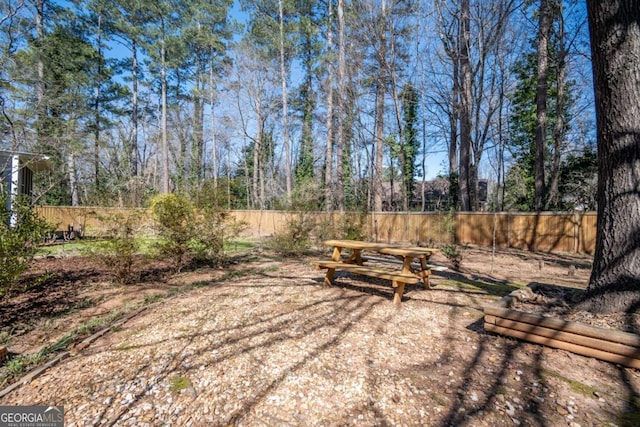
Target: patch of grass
{"x":178,"y":384}
{"x":576,"y":386}
{"x":19,"y":364}
{"x":76,"y":247}
{"x":489,"y":288}
{"x":16,"y":365}
{"x":238,"y":246}
{"x":124,"y":346}
{"x":438,"y":399}
{"x":150,"y":299}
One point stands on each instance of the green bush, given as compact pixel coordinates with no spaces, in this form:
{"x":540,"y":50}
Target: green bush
{"x":453,"y":253}
{"x":118,"y":252}
{"x":18,"y":243}
{"x":296,"y":235}
{"x":192,"y":233}
{"x":174,"y":215}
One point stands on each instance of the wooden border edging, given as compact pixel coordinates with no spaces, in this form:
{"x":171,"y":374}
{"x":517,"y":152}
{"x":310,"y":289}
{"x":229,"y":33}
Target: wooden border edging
{"x":31,"y":375}
{"x":34,"y":374}
{"x":604,"y":344}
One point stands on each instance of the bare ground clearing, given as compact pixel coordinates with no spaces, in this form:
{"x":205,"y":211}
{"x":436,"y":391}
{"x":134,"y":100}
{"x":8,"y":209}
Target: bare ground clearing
{"x":262,"y":342}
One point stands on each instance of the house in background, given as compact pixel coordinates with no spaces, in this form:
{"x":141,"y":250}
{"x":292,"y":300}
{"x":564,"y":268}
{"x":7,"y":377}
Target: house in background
{"x":428,"y":196}
{"x":16,"y":173}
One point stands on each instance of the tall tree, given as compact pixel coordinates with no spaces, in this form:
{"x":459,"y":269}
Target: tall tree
{"x":71,"y":66}
{"x":615,"y":43}
{"x":466,"y":100}
{"x":285,"y":112}
{"x":328,"y":172}
{"x":410,"y":145}
{"x":544,"y":29}
{"x":473,"y":38}
{"x":342,"y":101}
{"x":126,"y":21}
{"x":309,"y":52}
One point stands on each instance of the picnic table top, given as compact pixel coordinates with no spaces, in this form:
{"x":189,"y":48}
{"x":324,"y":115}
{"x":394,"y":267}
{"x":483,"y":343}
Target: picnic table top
{"x":384,"y":248}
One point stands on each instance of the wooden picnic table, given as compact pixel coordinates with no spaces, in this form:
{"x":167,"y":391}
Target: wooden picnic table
{"x":412,"y":260}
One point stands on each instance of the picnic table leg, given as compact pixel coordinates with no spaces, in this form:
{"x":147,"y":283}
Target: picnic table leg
{"x":425,"y":272}
{"x":328,"y":279}
{"x":398,"y":290}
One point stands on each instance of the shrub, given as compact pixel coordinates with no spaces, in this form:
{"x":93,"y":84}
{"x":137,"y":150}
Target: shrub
{"x":174,"y":215}
{"x":193,"y":232}
{"x":119,"y":250}
{"x":453,"y":253}
{"x":18,"y":242}
{"x":295,"y":237}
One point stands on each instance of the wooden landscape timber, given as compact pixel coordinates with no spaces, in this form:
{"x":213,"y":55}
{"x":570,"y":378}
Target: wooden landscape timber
{"x":605,"y":344}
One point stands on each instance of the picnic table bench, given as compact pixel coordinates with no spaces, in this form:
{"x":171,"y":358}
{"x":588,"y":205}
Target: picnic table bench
{"x":413,"y":261}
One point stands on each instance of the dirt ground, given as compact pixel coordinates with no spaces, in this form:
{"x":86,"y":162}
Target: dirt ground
{"x":263,"y":342}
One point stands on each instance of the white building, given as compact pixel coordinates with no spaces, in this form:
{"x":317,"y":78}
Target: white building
{"x":16,"y":173}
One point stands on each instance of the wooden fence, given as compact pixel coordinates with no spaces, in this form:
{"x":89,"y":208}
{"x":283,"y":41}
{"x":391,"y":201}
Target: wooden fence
{"x":544,"y":232}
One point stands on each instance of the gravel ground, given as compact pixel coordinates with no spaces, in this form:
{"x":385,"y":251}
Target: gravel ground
{"x":276,"y":348}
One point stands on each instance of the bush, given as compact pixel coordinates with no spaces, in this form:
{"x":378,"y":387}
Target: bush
{"x":119,"y":250}
{"x":454,"y":254}
{"x":18,"y":243}
{"x":175,"y":216}
{"x":296,"y":236}
{"x":193,"y":233}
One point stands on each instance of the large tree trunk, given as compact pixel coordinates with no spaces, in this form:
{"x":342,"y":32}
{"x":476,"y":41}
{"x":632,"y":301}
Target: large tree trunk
{"x":466,"y":99}
{"x":541,"y":101}
{"x":380,"y":94}
{"x":328,"y":173}
{"x":615,"y":43}
{"x":341,"y":110}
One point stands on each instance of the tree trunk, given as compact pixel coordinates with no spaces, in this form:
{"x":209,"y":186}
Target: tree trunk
{"x":133,"y":149}
{"x":558,"y":133}
{"x":40,"y":88}
{"x":212,"y":102}
{"x":165,"y":142}
{"x":328,"y":173}
{"x":615,"y":42}
{"x":341,"y":111}
{"x":285,"y":125}
{"x":197,"y":148}
{"x":541,"y":102}
{"x":453,"y":122}
{"x":465,"y":110}
{"x":73,"y":182}
{"x":377,"y":177}
{"x":96,"y":111}
{"x":257,"y":198}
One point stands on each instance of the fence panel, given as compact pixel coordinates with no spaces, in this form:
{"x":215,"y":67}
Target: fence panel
{"x":547,"y":232}
{"x":88,"y":220}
